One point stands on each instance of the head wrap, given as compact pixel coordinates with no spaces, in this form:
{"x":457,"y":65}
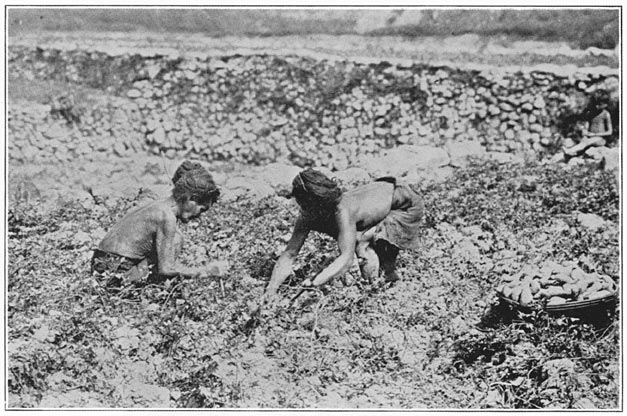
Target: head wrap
{"x":195,"y":184}
{"x":311,"y":187}
{"x":185,"y":167}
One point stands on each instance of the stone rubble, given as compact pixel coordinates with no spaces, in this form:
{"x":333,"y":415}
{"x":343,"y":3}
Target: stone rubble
{"x":261,"y":109}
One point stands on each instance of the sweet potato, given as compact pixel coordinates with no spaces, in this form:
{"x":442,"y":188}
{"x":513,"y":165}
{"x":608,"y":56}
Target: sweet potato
{"x":534,"y":286}
{"x":545,"y":281}
{"x":556,"y":300}
{"x":596,"y":286}
{"x":515,"y":296}
{"x":600,"y":294}
{"x":507,"y":278}
{"x":562,"y":278}
{"x":507,"y":291}
{"x":578,"y":274}
{"x":549,"y":267}
{"x":588,"y":282}
{"x":531,"y":271}
{"x":571,"y":289}
{"x":554,"y":291}
{"x":526,"y":298}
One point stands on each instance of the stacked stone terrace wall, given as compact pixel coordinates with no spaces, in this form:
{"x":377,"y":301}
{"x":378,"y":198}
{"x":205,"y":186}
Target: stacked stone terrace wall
{"x":262,"y":108}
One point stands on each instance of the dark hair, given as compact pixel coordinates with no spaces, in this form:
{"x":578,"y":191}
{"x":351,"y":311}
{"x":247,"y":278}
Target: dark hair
{"x":196,"y":185}
{"x":185,"y":167}
{"x":313,"y":189}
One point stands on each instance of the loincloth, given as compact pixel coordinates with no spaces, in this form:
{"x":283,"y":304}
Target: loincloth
{"x":401,"y":227}
{"x":119,"y":268}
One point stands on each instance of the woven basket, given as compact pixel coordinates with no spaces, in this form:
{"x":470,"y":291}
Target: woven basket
{"x":573,"y":307}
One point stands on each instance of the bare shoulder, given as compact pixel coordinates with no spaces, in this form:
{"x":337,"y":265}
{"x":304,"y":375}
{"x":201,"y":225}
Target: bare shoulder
{"x":154,"y":212}
{"x":368,"y":204}
{"x":369,"y":192}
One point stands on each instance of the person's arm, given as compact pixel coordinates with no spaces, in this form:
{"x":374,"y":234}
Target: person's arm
{"x":607,"y":123}
{"x":347,"y":238}
{"x":166,"y":248}
{"x":283,"y":266}
{"x":585,"y":128}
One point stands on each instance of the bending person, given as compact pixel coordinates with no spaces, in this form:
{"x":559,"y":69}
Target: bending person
{"x":149,"y":235}
{"x":374,"y":221}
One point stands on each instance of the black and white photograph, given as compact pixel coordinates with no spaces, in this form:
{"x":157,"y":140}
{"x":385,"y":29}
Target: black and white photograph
{"x":335,"y":208}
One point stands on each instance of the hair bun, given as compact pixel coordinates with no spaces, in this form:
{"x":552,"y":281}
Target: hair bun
{"x":186,"y":166}
{"x":196,"y":184}
{"x":313,"y":183}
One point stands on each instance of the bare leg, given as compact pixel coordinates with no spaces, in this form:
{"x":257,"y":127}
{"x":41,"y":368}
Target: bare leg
{"x":368,"y":261}
{"x":152,"y":264}
{"x":178,"y":244}
{"x":138,"y":273}
{"x":388,"y":254}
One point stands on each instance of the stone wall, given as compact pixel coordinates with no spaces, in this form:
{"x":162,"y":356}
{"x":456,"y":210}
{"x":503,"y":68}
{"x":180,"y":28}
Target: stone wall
{"x":261,"y":109}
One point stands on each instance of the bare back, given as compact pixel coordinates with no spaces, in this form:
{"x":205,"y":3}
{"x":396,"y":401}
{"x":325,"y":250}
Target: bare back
{"x":134,"y":235}
{"x":360,"y":208}
{"x":368,"y":204}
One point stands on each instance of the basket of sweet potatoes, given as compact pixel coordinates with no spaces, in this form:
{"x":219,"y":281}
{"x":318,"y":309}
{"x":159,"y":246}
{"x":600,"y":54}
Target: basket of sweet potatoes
{"x":559,"y":288}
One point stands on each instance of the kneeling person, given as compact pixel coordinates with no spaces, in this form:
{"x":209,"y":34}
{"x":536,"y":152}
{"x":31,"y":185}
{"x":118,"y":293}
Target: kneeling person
{"x":374,"y":221}
{"x":149,"y":235}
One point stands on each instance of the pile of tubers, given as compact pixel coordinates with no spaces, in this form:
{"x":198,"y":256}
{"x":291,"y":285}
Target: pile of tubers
{"x":555,"y":284}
